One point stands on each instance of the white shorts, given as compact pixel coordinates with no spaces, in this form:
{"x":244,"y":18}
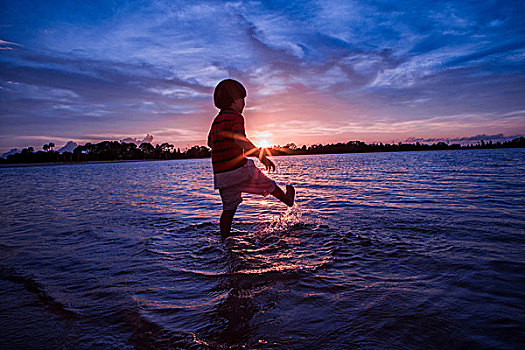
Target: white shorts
{"x":258,"y":183}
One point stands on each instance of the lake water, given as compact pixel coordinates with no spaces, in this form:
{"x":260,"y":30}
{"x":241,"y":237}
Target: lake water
{"x":416,"y":250}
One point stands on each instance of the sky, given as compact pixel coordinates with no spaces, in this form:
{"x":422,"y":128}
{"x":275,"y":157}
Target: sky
{"x":315,"y":71}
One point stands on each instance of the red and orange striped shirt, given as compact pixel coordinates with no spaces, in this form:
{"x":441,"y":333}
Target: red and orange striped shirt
{"x":226,"y":154}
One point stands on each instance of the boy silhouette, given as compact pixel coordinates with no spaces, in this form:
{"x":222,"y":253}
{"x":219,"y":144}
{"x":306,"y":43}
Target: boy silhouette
{"x":233,"y":173}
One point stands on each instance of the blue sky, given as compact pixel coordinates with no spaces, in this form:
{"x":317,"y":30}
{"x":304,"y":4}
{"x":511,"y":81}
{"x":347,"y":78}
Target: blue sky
{"x":315,"y":71}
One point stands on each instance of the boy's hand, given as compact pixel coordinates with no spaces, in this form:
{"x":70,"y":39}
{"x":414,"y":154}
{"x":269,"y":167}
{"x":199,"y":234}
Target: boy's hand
{"x":268,"y":163}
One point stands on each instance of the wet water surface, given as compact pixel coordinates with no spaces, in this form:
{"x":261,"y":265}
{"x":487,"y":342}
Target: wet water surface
{"x":416,"y":250}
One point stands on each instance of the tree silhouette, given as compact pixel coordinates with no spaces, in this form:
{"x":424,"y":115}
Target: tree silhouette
{"x":147,"y":149}
{"x":114,"y":150}
{"x":198,"y":152}
{"x":48,"y":147}
{"x":164,"y":150}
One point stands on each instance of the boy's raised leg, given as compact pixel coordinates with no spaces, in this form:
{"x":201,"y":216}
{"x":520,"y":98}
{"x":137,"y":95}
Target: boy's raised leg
{"x":287,"y":198}
{"x":226,"y":222}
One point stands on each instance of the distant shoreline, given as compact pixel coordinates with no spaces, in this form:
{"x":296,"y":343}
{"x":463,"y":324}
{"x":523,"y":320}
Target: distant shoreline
{"x":26,"y":165}
{"x":114,"y":151}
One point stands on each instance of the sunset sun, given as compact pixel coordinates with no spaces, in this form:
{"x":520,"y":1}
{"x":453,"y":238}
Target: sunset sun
{"x":264,"y":143}
{"x":263,"y":140}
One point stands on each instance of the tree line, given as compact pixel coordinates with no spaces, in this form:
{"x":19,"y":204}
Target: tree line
{"x":362,"y":147}
{"x":107,"y":151}
{"x":114,"y":150}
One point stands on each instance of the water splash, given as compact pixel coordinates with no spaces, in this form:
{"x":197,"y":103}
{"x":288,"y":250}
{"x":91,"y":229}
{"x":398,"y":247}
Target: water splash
{"x":283,"y":222}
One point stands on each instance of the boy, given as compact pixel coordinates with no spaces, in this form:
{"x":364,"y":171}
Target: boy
{"x":233,"y":173}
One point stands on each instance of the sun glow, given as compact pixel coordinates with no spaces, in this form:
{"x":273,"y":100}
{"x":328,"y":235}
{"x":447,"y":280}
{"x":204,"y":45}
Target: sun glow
{"x":263,"y":140}
{"x":264,"y":143}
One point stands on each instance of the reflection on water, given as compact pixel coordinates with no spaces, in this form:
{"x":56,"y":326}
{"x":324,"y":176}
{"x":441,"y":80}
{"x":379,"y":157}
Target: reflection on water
{"x":392,"y":250}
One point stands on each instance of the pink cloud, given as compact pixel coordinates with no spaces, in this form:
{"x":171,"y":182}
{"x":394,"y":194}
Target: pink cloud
{"x":137,"y":141}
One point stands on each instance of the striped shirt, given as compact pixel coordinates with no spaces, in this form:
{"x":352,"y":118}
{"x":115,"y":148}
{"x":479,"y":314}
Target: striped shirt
{"x":226,"y":154}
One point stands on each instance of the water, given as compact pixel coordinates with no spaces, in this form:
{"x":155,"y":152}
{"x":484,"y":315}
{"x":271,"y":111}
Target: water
{"x":419,"y":250}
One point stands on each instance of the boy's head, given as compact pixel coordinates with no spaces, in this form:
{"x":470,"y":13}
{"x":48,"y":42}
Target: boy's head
{"x":227,"y":92}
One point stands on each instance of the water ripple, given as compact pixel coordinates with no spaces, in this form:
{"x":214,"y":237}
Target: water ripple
{"x":394,"y":250}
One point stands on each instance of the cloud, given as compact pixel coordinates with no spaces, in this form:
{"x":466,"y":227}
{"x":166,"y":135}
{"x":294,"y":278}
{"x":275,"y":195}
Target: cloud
{"x":68,"y":147}
{"x":129,"y":68}
{"x":7,"y":45}
{"x":137,"y":141}
{"x":10,"y":152}
{"x":36,"y":92}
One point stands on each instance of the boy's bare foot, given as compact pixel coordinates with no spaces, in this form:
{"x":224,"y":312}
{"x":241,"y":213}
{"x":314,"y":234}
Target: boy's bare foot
{"x":290,"y":193}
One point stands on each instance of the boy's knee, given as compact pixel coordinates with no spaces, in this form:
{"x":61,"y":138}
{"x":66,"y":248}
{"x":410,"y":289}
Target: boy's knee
{"x":230,"y":200}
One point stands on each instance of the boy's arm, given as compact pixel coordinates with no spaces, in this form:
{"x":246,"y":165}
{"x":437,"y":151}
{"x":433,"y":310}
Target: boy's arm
{"x":239,"y":135}
{"x":248,"y":147}
{"x":250,"y":150}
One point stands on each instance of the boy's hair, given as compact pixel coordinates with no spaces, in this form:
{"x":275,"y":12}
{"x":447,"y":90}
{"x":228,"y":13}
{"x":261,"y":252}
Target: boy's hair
{"x":226,"y":92}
